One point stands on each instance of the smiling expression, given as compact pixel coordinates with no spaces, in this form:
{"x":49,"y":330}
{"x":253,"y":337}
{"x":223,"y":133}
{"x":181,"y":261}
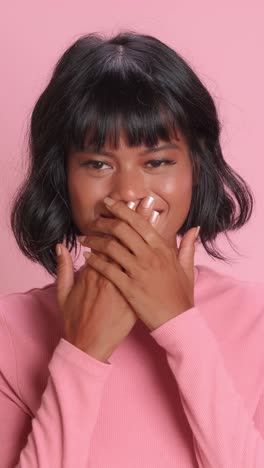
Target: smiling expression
{"x":129,"y":175}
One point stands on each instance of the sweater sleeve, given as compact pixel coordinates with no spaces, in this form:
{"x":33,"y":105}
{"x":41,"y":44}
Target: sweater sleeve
{"x":259,"y":416}
{"x":224,"y":436}
{"x":60,"y":433}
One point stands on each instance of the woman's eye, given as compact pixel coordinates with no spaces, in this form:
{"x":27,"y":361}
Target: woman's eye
{"x":166,"y":161}
{"x":93,"y":163}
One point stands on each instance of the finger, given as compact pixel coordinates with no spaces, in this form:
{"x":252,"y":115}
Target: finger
{"x":133,"y":234}
{"x":117,"y":251}
{"x":137,"y":223}
{"x":102,"y":256}
{"x":187,"y":252}
{"x":142,"y":208}
{"x":111,"y":272}
{"x":65,"y":275}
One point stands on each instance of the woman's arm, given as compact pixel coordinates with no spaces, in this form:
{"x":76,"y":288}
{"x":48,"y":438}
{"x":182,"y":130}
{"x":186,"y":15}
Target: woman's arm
{"x":259,"y":416}
{"x":60,"y":433}
{"x":224,"y":435}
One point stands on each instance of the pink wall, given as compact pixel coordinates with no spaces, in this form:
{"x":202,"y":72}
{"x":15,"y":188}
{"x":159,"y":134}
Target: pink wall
{"x":224,"y":43}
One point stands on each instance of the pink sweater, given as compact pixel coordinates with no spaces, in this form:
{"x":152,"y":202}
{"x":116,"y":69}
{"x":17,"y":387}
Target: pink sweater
{"x":189,"y":394}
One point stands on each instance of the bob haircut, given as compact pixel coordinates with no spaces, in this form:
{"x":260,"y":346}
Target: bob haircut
{"x":99,"y":87}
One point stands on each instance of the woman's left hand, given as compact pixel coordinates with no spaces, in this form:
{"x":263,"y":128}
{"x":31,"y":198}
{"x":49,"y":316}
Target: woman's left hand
{"x":158,"y":281}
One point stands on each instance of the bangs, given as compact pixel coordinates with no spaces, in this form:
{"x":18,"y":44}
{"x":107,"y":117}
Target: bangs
{"x":123,"y":104}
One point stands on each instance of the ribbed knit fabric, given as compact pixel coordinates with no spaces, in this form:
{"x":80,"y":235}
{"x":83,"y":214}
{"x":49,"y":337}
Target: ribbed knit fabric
{"x":189,"y":394}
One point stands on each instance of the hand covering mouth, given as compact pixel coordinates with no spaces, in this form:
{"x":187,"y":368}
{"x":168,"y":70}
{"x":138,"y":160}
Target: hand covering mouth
{"x":104,"y":215}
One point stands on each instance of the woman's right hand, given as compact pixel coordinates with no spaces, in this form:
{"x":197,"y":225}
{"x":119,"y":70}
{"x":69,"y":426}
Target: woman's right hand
{"x":96,"y":316}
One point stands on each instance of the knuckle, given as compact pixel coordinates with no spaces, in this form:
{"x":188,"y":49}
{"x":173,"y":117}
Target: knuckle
{"x":98,"y":223}
{"x":144,"y":228}
{"x":107,"y":286}
{"x":116,"y":226}
{"x":103,"y":282}
{"x":156,"y":260}
{"x":110,"y":245}
{"x":89,"y":275}
{"x":108,"y":268}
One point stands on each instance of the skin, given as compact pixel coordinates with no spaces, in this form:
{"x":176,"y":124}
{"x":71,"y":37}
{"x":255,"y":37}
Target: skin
{"x":126,"y":176}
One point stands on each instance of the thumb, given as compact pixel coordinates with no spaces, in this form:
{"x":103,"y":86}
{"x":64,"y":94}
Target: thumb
{"x":186,"y":252}
{"x":65,"y":274}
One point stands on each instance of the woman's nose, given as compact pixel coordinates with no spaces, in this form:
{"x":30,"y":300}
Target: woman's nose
{"x":130,"y":186}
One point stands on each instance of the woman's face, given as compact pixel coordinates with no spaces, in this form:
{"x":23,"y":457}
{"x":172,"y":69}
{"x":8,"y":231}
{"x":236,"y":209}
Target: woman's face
{"x":129,"y":175}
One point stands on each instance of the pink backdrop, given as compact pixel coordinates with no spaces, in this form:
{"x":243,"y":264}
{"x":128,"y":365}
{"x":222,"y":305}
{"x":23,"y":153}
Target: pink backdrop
{"x":223,"y":42}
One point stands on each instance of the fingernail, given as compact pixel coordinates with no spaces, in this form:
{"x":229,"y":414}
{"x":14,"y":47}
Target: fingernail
{"x":147,"y":202}
{"x":58,"y":250}
{"x":109,"y":201}
{"x":197,"y":232}
{"x":131,"y":205}
{"x":86,"y":254}
{"x":154,"y":216}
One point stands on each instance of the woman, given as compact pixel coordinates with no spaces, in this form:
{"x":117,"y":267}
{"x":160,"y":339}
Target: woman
{"x":139,"y":359}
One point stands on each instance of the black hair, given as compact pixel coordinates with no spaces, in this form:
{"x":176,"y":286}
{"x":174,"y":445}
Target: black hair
{"x":133,"y":83}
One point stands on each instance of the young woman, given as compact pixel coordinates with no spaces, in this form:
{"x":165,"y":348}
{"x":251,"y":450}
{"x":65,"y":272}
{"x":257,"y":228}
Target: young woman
{"x":139,"y":358}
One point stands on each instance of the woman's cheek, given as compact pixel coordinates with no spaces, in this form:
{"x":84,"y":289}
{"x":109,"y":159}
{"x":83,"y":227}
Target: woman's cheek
{"x":179,"y":185}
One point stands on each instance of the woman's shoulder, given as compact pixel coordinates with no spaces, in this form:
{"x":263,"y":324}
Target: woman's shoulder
{"x":31,"y":319}
{"x":30,"y":329}
{"x":233,"y":307}
{"x":211,"y":283}
{"x":35,"y":307}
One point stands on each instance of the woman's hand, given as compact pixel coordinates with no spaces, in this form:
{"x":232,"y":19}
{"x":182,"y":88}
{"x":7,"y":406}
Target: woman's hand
{"x":157,"y":280}
{"x":96,"y":316}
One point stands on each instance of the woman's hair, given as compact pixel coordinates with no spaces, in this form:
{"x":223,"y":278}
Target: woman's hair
{"x":99,"y":87}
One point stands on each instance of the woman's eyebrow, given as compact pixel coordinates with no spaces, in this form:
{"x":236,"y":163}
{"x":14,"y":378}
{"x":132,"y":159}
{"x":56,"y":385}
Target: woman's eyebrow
{"x":154,"y":149}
